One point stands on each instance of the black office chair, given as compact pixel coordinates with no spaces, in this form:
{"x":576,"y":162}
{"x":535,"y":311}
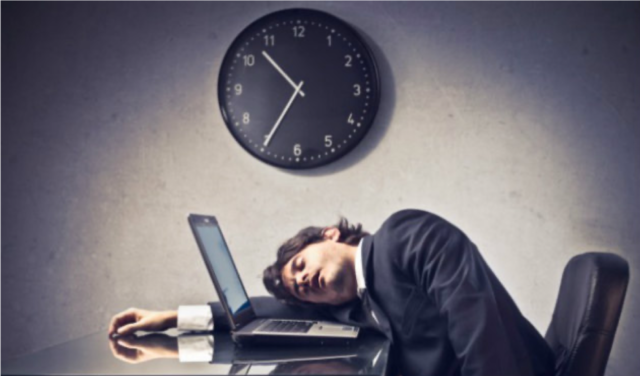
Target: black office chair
{"x":587,"y":312}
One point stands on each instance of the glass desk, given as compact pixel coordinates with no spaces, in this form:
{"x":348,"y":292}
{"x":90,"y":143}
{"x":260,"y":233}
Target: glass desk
{"x":96,"y":354}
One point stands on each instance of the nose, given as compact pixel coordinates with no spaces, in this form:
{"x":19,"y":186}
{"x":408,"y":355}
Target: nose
{"x":302,"y":278}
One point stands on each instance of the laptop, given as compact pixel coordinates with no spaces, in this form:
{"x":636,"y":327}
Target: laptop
{"x":246,"y":327}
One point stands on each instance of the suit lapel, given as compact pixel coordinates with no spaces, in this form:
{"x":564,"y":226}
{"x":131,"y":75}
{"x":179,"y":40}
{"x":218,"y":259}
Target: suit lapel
{"x":364,"y":312}
{"x":373,"y":311}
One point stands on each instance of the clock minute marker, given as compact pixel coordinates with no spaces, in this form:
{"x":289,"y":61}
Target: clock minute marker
{"x":275,"y":126}
{"x":275,"y":65}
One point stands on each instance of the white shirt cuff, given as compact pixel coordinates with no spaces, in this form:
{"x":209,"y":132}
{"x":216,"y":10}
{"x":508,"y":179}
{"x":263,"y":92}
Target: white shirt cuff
{"x":197,"y":318}
{"x":195,"y":348}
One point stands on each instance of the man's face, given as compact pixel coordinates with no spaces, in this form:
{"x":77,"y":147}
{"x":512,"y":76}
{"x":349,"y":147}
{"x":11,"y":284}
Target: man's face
{"x":322,"y":273}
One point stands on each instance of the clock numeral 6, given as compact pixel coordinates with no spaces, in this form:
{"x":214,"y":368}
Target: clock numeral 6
{"x":350,"y":119}
{"x":298,"y":31}
{"x":327,"y":141}
{"x":249,"y":60}
{"x":269,"y":40}
{"x":348,"y":63}
{"x":356,"y":93}
{"x":297,"y":150}
{"x":245,"y":118}
{"x":238,"y":88}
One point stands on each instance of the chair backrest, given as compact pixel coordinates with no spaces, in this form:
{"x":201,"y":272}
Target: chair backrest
{"x":587,"y":312}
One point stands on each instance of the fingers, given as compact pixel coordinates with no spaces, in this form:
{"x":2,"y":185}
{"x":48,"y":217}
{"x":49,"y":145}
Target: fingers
{"x":123,"y":353}
{"x":121,"y":319}
{"x":130,"y":328}
{"x":129,"y":342}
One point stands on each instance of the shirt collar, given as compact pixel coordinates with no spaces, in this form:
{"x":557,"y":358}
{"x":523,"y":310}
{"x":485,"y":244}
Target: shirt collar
{"x":360,"y":281}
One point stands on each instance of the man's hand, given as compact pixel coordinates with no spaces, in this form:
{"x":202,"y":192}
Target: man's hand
{"x":134,"y":319}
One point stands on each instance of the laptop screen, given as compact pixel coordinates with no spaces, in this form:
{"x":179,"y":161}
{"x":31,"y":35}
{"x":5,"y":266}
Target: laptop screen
{"x":219,"y":258}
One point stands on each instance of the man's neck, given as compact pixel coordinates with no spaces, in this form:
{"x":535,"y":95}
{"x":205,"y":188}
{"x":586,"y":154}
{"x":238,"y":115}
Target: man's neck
{"x":351,"y":251}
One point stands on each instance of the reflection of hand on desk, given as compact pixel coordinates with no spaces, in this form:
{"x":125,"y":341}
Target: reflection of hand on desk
{"x":134,"y":349}
{"x":90,"y":355}
{"x":138,"y":349}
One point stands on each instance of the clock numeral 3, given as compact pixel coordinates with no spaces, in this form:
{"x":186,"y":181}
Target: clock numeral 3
{"x":356,"y":93}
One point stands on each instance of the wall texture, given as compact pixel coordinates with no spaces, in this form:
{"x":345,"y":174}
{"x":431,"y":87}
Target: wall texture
{"x":518,"y":122}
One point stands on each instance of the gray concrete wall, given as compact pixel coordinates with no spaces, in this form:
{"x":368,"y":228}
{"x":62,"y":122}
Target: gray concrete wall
{"x":518,"y":122}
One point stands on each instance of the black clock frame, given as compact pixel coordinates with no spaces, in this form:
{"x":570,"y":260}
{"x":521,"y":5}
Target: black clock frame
{"x":365,"y":123}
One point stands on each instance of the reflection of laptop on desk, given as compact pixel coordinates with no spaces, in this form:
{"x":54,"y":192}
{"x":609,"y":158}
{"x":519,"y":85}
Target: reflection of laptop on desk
{"x":245,"y":326}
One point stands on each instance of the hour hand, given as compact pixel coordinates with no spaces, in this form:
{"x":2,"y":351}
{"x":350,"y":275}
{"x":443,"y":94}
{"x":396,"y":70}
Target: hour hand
{"x":286,"y":77}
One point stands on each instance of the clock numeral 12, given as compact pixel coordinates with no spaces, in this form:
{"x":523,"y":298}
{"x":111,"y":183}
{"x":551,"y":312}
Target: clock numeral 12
{"x":298,"y":31}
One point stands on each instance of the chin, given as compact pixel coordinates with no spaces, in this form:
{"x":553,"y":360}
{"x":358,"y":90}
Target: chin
{"x":337,"y":282}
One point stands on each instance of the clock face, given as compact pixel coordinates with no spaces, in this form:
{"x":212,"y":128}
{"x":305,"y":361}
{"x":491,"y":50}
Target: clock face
{"x":298,"y":88}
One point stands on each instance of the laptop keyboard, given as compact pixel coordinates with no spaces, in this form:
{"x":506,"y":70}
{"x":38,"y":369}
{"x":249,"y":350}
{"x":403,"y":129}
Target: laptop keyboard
{"x":287,"y":326}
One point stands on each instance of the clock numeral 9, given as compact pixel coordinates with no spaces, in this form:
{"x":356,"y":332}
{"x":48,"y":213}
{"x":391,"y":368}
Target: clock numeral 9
{"x":238,"y":88}
{"x":249,"y":60}
{"x":297,"y":150}
{"x":246,"y":118}
{"x":348,"y":63}
{"x":269,"y":40}
{"x":327,"y":141}
{"x":350,"y":119}
{"x":356,"y":93}
{"x":298,"y":31}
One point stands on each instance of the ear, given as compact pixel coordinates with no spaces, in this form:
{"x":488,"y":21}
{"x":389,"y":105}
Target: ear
{"x":331,"y":233}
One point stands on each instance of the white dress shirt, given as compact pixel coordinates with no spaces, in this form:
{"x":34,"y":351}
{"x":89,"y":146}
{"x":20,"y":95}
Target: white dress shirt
{"x":200,"y":318}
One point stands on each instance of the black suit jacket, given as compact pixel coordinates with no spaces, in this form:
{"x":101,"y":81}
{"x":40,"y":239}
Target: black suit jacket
{"x":431,"y":293}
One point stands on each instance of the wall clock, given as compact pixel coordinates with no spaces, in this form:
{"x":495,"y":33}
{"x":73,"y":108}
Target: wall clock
{"x":298,"y":88}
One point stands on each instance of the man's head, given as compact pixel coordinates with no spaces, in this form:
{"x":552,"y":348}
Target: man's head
{"x":316,"y":266}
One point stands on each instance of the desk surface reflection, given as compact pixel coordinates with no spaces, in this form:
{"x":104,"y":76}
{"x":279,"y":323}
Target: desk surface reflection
{"x":96,"y":354}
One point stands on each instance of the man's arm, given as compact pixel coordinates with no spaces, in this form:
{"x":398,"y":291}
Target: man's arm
{"x":480,"y":316}
{"x":195,"y":317}
{"x":134,"y":319}
{"x":186,"y":318}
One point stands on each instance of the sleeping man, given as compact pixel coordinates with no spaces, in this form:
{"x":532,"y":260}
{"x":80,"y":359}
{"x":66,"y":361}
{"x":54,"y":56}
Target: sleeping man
{"x":418,"y":280}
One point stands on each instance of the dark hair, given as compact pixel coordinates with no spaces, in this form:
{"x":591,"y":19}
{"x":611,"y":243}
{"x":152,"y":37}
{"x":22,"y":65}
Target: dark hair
{"x":272,"y":276}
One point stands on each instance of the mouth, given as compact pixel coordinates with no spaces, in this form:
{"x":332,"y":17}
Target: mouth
{"x":317,"y":281}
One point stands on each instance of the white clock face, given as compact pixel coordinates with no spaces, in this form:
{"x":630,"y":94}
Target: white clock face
{"x":298,"y":88}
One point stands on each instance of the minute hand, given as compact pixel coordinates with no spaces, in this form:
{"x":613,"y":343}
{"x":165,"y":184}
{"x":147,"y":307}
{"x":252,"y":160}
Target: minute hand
{"x":275,"y":127}
{"x":275,"y":65}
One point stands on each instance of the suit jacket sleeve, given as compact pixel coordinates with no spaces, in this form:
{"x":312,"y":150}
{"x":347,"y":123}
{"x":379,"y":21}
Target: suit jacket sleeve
{"x":441,"y":261}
